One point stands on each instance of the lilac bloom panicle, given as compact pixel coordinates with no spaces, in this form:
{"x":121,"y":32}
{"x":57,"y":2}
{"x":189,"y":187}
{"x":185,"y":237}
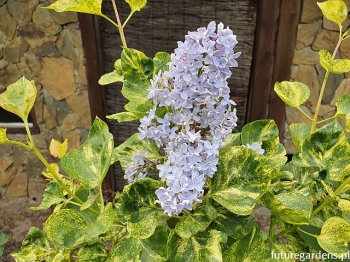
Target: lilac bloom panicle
{"x":199,"y":117}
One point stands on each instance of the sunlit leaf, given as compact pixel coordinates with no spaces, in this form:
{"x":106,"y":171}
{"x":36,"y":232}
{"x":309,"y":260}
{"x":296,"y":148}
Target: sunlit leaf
{"x":299,"y":132}
{"x":343,"y":105}
{"x":94,"y":253}
{"x":344,"y":205}
{"x":161,"y":60}
{"x":53,"y":195}
{"x":64,"y":228}
{"x":292,"y":207}
{"x":204,"y":246}
{"x":335,"y":236}
{"x":336,"y":66}
{"x":19,"y":98}
{"x":110,"y":78}
{"x":196,"y":222}
{"x":133,"y":249}
{"x":249,"y":248}
{"x":136,"y":5}
{"x":292,"y":93}
{"x":92,"y":159}
{"x":82,"y":6}
{"x":58,"y":149}
{"x":3,"y":138}
{"x":334,"y":11}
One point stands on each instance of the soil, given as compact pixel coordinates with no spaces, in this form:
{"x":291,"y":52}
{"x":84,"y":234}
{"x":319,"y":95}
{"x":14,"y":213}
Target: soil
{"x":15,"y":221}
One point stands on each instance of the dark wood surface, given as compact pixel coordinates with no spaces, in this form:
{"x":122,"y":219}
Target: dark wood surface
{"x":273,"y":52}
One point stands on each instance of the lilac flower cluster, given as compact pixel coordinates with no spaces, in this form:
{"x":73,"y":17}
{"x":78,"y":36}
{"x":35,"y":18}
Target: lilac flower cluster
{"x":199,"y":114}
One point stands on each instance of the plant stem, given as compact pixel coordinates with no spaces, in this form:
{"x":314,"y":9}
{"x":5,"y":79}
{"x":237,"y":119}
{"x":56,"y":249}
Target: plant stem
{"x":101,"y":200}
{"x":318,"y":106}
{"x":327,"y":119}
{"x":287,"y":230}
{"x":128,"y":18}
{"x":33,"y":148}
{"x":120,"y":27}
{"x":305,"y":114}
{"x":326,"y":201}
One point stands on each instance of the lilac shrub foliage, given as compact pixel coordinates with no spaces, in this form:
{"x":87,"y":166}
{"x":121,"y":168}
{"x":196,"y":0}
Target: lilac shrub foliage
{"x":199,"y":116}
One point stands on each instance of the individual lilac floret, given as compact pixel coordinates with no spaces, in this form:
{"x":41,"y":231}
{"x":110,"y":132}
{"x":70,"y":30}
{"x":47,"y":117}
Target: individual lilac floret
{"x":200,"y":115}
{"x":137,"y":169}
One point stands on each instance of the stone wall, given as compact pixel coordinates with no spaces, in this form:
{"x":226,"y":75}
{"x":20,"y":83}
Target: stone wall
{"x":316,"y":33}
{"x":46,"y":47}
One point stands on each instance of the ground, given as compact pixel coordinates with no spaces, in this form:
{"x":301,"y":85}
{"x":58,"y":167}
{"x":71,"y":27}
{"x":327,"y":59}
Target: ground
{"x":15,"y":221}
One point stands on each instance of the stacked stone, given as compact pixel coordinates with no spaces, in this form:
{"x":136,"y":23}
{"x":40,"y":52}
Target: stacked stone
{"x":46,"y":47}
{"x":314,"y":34}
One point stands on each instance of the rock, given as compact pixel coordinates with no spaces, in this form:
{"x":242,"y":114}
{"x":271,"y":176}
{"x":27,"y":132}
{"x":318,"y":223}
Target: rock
{"x":42,"y":18}
{"x":7,"y":24}
{"x":40,"y":143}
{"x":9,"y":76}
{"x":325,"y":110}
{"x":307,"y":75}
{"x":36,"y":189}
{"x":294,"y":72}
{"x":306,"y":34}
{"x":332,"y":83}
{"x":329,"y":25}
{"x":19,"y":157}
{"x":39,"y":108}
{"x":73,"y":139}
{"x":66,"y":46}
{"x":311,"y":12}
{"x":289,"y":146}
{"x":344,"y":88}
{"x":65,"y":17}
{"x":34,"y":166}
{"x":7,"y":171}
{"x":29,"y":65}
{"x":47,"y":49}
{"x":306,"y":56}
{"x":294,"y":115}
{"x":2,"y":2}
{"x":34,"y":36}
{"x":345,"y":49}
{"x":62,"y":110}
{"x":69,"y":123}
{"x":22,"y":12}
{"x":49,"y":112}
{"x":57,"y":77}
{"x":3,"y":64}
{"x":325,"y":40}
{"x":15,"y":49}
{"x":79,"y":103}
{"x":18,"y":186}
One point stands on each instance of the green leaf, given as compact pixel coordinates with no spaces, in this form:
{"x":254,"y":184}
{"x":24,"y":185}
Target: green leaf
{"x":343,"y":105}
{"x":336,"y":66}
{"x":347,"y":122}
{"x":64,"y":228}
{"x":242,"y":177}
{"x":110,"y":78}
{"x":89,"y":201}
{"x":90,"y":162}
{"x":35,"y":247}
{"x":191,"y":224}
{"x":19,"y":98}
{"x":133,"y":249}
{"x":101,"y":225}
{"x":334,"y":11}
{"x":335,"y":236}
{"x":161,"y":60}
{"x":82,"y":6}
{"x":123,"y":117}
{"x":292,"y":207}
{"x":143,"y":223}
{"x":299,"y":132}
{"x":344,"y":205}
{"x":292,"y":93}
{"x":204,"y":246}
{"x":92,"y":253}
{"x":138,"y":199}
{"x":3,"y":137}
{"x":249,"y":248}
{"x":53,"y":195}
{"x":233,"y":139}
{"x":126,"y":150}
{"x":136,"y":5}
{"x":322,"y":148}
{"x":3,"y":239}
{"x":58,"y":149}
